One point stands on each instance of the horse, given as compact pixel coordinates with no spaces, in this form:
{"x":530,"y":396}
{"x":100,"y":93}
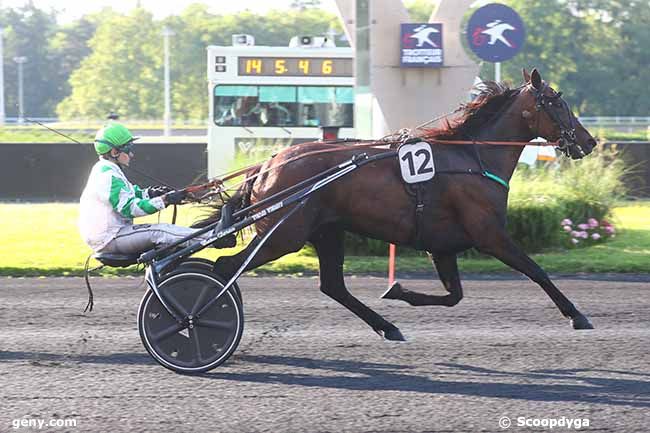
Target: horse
{"x":459,"y":208}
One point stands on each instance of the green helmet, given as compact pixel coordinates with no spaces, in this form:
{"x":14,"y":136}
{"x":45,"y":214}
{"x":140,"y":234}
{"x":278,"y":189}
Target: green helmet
{"x":113,"y":135}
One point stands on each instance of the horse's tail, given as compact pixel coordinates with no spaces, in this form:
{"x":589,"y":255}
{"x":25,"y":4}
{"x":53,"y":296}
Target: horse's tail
{"x":239,"y":200}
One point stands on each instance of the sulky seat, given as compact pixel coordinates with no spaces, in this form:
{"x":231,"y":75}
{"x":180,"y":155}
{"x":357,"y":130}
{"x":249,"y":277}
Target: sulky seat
{"x":116,"y":260}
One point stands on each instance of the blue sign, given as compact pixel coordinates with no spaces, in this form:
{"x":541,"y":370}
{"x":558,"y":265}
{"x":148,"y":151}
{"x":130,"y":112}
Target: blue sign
{"x":421,"y":45}
{"x":495,"y":32}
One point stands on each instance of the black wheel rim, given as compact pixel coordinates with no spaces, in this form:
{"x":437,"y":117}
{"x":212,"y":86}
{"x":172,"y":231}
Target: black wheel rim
{"x":197,"y":344}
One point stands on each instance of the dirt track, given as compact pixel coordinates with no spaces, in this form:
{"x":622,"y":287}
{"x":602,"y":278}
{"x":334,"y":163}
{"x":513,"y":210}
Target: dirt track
{"x":307,"y":364}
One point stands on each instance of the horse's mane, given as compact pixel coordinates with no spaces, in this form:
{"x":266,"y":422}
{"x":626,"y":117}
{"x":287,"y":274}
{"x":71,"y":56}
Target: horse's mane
{"x":474,"y":114}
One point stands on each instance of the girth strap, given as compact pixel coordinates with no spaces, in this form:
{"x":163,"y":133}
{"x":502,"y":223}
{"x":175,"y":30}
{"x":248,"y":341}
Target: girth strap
{"x":419,"y":213}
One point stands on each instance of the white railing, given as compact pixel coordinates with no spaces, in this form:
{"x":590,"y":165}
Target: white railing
{"x":627,"y":121}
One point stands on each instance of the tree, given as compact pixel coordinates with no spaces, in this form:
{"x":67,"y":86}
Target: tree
{"x":67,"y":48}
{"x":123,"y":72}
{"x":26,"y":33}
{"x":420,"y":10}
{"x":593,"y":50}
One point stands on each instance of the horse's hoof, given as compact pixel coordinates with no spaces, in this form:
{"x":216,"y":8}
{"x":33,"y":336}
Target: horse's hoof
{"x":394,"y":292}
{"x":581,"y":322}
{"x":394,"y":335}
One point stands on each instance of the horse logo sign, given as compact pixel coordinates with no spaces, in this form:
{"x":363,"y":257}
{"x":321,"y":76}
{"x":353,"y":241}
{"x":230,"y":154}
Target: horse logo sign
{"x":421,"y":45}
{"x":495,"y":33}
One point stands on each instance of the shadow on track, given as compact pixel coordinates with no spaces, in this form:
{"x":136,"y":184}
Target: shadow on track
{"x":569,"y":385}
{"x":55,"y":359}
{"x":364,"y":376}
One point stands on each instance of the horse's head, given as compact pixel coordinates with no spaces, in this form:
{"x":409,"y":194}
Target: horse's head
{"x":549,"y":116}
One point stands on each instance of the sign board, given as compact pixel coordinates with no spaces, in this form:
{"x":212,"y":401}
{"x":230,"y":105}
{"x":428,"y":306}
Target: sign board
{"x":295,"y":66}
{"x":495,"y":33}
{"x":421,"y":45}
{"x":416,"y":162}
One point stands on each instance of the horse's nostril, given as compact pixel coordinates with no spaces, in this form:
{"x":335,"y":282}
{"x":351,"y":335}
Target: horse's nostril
{"x":592,"y":143}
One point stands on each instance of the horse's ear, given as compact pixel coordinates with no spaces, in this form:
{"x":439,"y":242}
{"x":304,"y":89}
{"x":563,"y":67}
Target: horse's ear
{"x":526,"y":75}
{"x":536,"y":79}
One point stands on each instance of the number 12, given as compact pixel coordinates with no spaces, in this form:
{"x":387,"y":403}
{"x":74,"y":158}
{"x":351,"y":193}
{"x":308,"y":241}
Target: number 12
{"x":423,"y":167}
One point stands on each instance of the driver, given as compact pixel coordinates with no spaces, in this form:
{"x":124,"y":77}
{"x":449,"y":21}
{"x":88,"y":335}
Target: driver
{"x":109,"y":202}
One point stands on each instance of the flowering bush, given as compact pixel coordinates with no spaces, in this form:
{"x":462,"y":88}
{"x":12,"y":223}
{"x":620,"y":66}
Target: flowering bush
{"x":587,"y":233}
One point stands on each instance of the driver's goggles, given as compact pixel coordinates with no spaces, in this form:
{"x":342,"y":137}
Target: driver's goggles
{"x":127,"y":148}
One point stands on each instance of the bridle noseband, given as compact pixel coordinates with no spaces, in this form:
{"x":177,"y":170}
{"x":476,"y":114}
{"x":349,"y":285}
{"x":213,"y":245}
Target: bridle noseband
{"x":567,"y":132}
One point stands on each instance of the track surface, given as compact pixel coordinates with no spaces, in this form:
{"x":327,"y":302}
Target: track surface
{"x":305,"y":364}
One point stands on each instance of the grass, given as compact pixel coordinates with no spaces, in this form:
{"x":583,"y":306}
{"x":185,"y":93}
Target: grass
{"x":42,"y":240}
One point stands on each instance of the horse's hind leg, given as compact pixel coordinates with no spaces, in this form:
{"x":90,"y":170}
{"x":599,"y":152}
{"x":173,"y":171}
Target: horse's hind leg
{"x":329,"y":247}
{"x":503,"y":248}
{"x":447,"y":271}
{"x":226,"y":266}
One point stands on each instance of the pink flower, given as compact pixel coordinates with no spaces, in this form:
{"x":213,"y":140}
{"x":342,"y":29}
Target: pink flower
{"x":575,"y":241}
{"x":584,"y":235}
{"x":575,"y":234}
{"x":595,"y":236}
{"x":583,"y":226}
{"x":592,"y":222}
{"x":566,"y":222}
{"x":567,"y":228}
{"x":610,"y":229}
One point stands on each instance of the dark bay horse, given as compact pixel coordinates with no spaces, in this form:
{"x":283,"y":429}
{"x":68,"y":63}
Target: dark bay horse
{"x":462,"y":209}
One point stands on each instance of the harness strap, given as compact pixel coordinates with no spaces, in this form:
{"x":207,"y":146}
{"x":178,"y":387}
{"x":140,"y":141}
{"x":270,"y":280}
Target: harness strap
{"x":496,"y":178}
{"x":419,"y":213}
{"x":87,"y":271}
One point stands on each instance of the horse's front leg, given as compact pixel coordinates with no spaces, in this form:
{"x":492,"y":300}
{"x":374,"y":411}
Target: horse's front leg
{"x":447,"y":271}
{"x":496,"y":242}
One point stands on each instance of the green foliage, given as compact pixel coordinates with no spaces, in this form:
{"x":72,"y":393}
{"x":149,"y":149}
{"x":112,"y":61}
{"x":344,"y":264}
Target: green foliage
{"x":593,"y":50}
{"x":123,"y":71}
{"x":419,"y":10}
{"x":577,"y":190}
{"x":27,"y":31}
{"x":590,"y":49}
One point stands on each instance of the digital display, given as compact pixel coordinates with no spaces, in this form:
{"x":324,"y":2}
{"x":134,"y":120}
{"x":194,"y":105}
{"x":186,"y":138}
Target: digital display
{"x":295,"y":66}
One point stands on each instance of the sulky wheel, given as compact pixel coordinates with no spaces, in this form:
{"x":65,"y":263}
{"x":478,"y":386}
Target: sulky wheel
{"x":193,"y":344}
{"x":208,"y":265}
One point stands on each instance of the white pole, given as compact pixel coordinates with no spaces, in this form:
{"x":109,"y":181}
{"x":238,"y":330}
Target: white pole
{"x":20,"y":60}
{"x":2,"y":80}
{"x":497,"y":72}
{"x":167,"y":32}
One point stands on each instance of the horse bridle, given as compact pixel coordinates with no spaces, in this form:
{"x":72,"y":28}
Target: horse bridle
{"x":567,"y":132}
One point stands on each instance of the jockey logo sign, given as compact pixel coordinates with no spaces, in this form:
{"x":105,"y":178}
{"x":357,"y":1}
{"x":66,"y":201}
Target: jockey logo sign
{"x":495,"y":33}
{"x":421,"y":45}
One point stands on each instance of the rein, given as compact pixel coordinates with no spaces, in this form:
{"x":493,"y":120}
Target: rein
{"x":218,"y":182}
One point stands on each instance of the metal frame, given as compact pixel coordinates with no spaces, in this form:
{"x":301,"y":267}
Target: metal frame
{"x":298,"y":194}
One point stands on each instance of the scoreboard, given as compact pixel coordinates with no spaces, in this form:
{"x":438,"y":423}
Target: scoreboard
{"x":295,"y":66}
{"x":265,"y":65}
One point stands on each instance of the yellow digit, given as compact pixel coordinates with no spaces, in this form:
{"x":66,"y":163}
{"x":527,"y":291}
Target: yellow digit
{"x":327,"y":67}
{"x":253,"y":66}
{"x":280,"y":67}
{"x":303,"y":65}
